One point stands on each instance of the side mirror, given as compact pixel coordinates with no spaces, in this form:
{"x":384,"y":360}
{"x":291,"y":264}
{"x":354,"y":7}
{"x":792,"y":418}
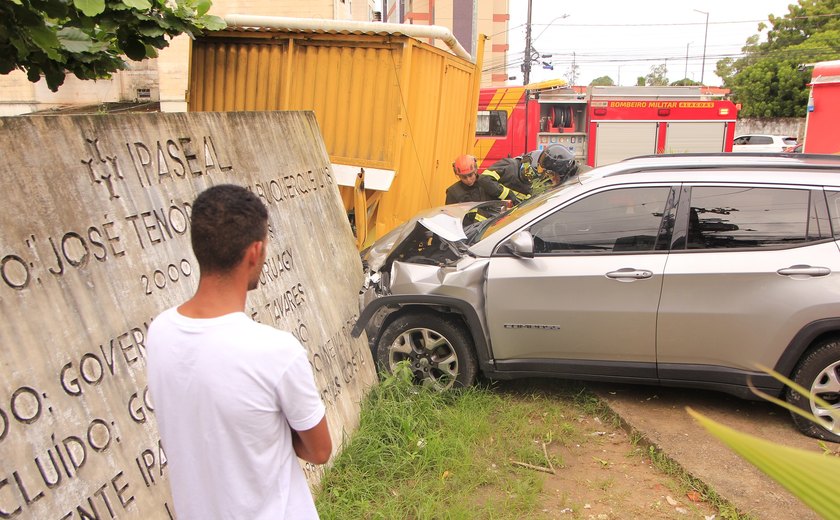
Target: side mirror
{"x":521,"y":245}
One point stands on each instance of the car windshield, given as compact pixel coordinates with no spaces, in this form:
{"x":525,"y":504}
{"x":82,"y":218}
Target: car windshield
{"x":490,"y":226}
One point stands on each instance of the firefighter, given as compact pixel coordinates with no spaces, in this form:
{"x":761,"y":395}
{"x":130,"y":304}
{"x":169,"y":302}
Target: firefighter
{"x":510,"y":178}
{"x":557,"y":163}
{"x":468,"y":188}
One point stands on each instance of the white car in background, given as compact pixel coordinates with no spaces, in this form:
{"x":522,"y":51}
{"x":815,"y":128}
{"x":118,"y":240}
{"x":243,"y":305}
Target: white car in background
{"x":762,"y":143}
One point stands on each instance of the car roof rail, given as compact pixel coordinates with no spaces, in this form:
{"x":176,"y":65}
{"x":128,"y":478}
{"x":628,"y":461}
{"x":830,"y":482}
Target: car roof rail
{"x":722,"y":160}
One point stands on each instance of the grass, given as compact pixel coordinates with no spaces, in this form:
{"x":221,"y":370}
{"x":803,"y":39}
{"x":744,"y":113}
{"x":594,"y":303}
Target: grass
{"x":420,"y":454}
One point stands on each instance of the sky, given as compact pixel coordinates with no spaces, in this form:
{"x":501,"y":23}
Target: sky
{"x":624,"y":39}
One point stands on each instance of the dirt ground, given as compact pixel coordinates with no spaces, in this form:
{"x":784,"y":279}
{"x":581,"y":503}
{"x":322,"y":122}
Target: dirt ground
{"x":612,"y":477}
{"x":607,"y":478}
{"x":659,"y":414}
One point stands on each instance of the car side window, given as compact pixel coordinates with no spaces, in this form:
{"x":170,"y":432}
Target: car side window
{"x":741,"y":140}
{"x":833,"y":198}
{"x":614,"y":221}
{"x":743,"y":217}
{"x":761,"y":139}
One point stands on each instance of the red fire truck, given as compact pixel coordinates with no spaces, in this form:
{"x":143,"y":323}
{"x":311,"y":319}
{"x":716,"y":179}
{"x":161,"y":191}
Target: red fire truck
{"x":823,"y":109}
{"x":600,"y":125}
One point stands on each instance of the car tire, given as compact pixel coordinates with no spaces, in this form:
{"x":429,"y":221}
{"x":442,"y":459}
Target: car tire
{"x":437,"y":348}
{"x":819,"y":373}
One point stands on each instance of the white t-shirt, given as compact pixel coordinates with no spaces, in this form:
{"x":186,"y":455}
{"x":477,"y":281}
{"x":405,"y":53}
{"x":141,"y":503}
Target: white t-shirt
{"x":225,"y":392}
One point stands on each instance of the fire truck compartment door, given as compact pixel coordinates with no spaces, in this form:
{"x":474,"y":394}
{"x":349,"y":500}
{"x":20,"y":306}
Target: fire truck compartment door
{"x":692,"y":136}
{"x":619,"y":140}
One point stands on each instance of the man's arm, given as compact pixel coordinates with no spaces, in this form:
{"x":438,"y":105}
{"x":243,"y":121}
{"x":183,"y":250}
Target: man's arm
{"x":313,"y":445}
{"x":489,"y":182}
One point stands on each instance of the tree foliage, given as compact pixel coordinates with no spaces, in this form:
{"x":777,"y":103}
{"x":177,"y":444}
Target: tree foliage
{"x":92,"y":38}
{"x":771,"y":79}
{"x":658,"y":76}
{"x":685,"y":82}
{"x":603,"y":81}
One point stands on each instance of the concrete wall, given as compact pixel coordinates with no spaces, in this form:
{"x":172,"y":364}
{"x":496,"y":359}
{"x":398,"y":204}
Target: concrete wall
{"x":95,"y":243}
{"x":792,"y":126}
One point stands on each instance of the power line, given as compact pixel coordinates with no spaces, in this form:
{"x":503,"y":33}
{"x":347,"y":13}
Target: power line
{"x":725,"y":22}
{"x":589,"y":60}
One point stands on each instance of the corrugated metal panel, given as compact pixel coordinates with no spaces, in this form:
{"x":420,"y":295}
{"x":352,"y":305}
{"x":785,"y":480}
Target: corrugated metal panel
{"x":440,"y":106}
{"x":230,"y":75}
{"x":392,"y":103}
{"x":352,"y":89}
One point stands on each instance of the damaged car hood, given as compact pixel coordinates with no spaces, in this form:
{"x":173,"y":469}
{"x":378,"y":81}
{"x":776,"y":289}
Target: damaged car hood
{"x":415,"y":239}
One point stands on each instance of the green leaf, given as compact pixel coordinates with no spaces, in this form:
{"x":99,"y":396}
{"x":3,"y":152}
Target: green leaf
{"x":7,"y":65}
{"x":810,"y":476}
{"x":90,"y":7}
{"x":212,"y":23}
{"x":55,"y":77}
{"x":202,"y":6}
{"x":151,"y":30}
{"x":34,"y":74}
{"x":134,"y":49}
{"x":46,"y":39}
{"x":140,"y":5}
{"x":75,"y":40}
{"x":53,"y":9}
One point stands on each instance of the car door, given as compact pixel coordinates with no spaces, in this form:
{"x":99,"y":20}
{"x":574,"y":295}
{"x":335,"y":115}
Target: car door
{"x":755,"y":265}
{"x":586,"y":302}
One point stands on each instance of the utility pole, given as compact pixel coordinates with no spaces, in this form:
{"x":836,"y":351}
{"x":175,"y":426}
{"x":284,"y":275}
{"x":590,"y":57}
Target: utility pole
{"x":526,"y":64}
{"x":686,"y":60}
{"x":705,"y":37}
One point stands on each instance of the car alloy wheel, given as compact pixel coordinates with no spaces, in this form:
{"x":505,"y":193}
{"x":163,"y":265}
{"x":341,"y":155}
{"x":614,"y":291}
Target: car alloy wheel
{"x":435,"y":348}
{"x":819,"y":373}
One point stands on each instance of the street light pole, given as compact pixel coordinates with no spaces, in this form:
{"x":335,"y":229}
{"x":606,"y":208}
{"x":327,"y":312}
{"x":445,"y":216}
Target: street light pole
{"x":705,"y":37}
{"x":530,"y":53}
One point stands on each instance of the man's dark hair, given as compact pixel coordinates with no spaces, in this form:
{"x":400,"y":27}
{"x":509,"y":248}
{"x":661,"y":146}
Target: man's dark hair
{"x":225,"y":220}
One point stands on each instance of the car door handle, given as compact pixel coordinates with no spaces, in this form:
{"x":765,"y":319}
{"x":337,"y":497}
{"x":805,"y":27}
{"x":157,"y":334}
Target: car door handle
{"x":804,"y":270}
{"x":628,"y":273}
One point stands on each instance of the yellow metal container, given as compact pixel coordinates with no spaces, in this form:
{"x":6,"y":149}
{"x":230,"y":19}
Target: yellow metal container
{"x":396,"y":107}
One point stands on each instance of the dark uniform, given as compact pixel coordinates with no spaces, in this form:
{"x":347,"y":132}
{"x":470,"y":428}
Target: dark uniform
{"x":460,"y":192}
{"x":508,"y":179}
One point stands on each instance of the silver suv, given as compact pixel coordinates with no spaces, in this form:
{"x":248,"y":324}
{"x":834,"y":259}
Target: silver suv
{"x":678,"y":270}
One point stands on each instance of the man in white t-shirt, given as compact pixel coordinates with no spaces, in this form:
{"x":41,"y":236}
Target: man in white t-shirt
{"x":235,"y":400}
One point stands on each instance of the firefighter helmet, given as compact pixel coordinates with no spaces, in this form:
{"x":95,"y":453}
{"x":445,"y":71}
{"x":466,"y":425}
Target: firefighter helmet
{"x":558,"y":159}
{"x":465,"y":165}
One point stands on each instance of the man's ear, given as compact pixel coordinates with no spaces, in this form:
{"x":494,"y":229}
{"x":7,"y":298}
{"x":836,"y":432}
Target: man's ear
{"x":255,"y":251}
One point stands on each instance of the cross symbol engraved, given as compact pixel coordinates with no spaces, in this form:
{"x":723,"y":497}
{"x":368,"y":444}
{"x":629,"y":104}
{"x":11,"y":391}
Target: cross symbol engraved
{"x":103,"y":170}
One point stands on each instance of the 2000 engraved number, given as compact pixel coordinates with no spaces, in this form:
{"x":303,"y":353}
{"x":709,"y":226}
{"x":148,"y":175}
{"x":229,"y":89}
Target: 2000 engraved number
{"x":161,"y":277}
